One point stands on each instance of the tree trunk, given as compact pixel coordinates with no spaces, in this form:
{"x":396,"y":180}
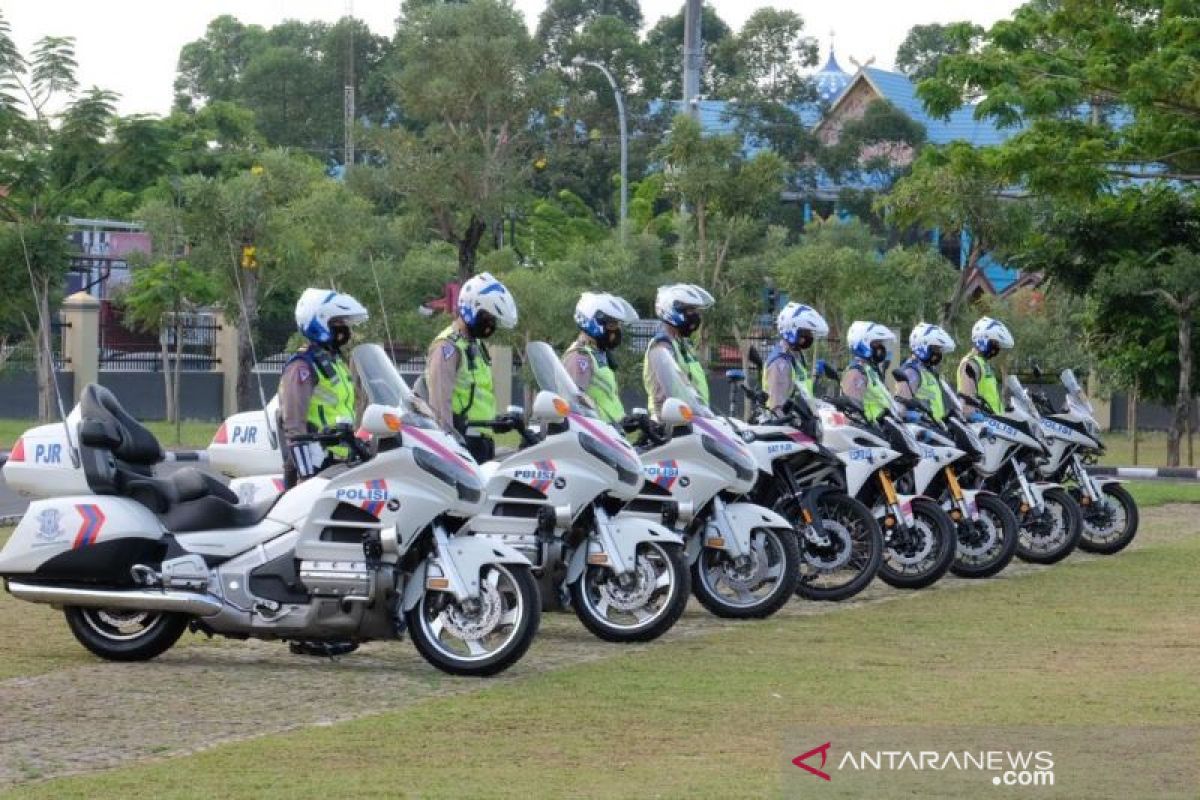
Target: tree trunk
{"x":959,"y":296}
{"x":176,"y":368}
{"x":168,"y":388}
{"x":247,"y":322}
{"x":468,"y":245}
{"x":45,"y":354}
{"x":1183,"y":399}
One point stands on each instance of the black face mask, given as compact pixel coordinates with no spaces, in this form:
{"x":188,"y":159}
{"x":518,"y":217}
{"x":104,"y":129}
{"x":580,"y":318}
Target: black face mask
{"x":691,"y":322}
{"x":879,"y":353}
{"x":610,"y":339}
{"x":341,"y":335}
{"x":803,"y":341}
{"x":991,"y":350}
{"x":483,"y":326}
{"x":935,"y":357}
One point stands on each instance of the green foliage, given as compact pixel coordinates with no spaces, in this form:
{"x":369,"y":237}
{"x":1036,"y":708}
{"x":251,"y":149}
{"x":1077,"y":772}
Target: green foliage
{"x":559,"y":225}
{"x":164,"y":287}
{"x":926,"y":45}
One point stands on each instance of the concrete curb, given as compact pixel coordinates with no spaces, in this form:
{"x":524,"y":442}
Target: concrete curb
{"x":1148,"y":473}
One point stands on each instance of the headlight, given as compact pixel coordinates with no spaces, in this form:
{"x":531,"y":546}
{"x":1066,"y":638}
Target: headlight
{"x":628,"y":470}
{"x":465,"y":481}
{"x":741,"y":466}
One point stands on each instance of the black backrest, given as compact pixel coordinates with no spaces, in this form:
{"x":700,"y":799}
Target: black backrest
{"x":137,"y":445}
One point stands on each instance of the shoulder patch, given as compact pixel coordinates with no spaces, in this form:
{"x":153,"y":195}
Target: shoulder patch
{"x":448,"y":351}
{"x":584,"y":363}
{"x":303,"y":373}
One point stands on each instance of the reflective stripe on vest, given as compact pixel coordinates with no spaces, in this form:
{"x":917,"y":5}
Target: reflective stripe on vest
{"x":603,"y":388}
{"x":876,"y":399}
{"x":987,"y":386}
{"x":929,"y":390}
{"x":474,"y":398}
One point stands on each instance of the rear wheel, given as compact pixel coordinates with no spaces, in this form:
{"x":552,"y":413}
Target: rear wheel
{"x":1050,"y":536}
{"x":121,"y":634}
{"x":756,"y":587}
{"x":846,"y":565}
{"x":917,"y":555}
{"x":1109,"y":525}
{"x":985,"y":545}
{"x":482,"y":636}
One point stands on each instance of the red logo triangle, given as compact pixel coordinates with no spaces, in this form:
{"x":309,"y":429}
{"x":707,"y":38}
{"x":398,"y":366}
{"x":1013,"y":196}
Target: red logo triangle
{"x":800,"y":759}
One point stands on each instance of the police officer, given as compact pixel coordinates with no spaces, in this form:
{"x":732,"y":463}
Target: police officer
{"x":978,"y":382}
{"x":928,"y":343}
{"x":589,"y":359}
{"x":862,"y":380}
{"x":316,"y":389}
{"x":458,"y":368}
{"x":679,"y":308}
{"x":786,"y":368}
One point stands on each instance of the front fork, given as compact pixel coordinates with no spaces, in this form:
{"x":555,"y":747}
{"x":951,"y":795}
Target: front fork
{"x":1089,"y":490}
{"x":1030,"y":498}
{"x":960,"y":508}
{"x":895,"y":515}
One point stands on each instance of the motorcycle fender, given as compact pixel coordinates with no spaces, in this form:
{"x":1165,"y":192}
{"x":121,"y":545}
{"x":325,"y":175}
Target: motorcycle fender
{"x":619,"y":540}
{"x":463,"y":560}
{"x":905,"y":501}
{"x":970,"y":498}
{"x":1101,"y":482}
{"x":415,"y":587}
{"x":68,"y":527}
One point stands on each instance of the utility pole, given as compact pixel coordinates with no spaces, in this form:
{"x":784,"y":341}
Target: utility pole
{"x":580,"y":61}
{"x":348,"y":92}
{"x":693,"y":58}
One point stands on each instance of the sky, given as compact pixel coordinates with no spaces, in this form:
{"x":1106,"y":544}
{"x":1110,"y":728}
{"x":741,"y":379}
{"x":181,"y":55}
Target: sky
{"x":131,"y":46}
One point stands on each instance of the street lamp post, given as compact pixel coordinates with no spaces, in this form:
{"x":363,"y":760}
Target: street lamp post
{"x":580,"y":61}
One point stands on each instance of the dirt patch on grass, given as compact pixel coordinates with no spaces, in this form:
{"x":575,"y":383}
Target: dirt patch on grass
{"x":80,"y":717}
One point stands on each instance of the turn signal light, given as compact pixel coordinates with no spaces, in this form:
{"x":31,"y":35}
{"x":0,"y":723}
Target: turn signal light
{"x":889,"y":522}
{"x":716,"y":541}
{"x":687,"y":413}
{"x":562,"y":409}
{"x":440,"y":584}
{"x":806,"y":515}
{"x":598,"y":559}
{"x":392,"y":421}
{"x":1085,"y":501}
{"x":1024,"y":508}
{"x":956,"y":515}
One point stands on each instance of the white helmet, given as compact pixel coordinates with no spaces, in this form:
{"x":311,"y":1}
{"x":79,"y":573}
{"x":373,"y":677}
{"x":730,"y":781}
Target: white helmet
{"x":991,"y":330}
{"x":797,"y":317}
{"x":671,"y":301}
{"x":484,"y":293}
{"x":594,"y":309}
{"x":925,"y":336}
{"x":861,"y":334}
{"x":317,"y":309}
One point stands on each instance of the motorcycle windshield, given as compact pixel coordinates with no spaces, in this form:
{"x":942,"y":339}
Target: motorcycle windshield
{"x":550,"y":376}
{"x":383,"y":385}
{"x":1020,"y":398}
{"x":669,"y":376}
{"x":953,"y":403}
{"x":1077,"y":400}
{"x":715,"y":438}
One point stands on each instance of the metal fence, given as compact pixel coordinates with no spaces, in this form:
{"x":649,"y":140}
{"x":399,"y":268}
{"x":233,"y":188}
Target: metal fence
{"x":19,"y":354}
{"x":123,"y":350}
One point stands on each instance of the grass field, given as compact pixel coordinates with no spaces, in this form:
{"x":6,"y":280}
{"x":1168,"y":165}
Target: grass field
{"x":1091,"y":641}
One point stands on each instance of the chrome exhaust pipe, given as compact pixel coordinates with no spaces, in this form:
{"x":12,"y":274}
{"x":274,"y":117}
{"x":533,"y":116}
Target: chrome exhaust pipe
{"x":198,"y":605}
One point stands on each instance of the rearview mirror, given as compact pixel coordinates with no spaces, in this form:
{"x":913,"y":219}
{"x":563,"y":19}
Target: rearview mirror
{"x":899,"y":376}
{"x":675,"y":412}
{"x":381,"y":420}
{"x":549,"y":407}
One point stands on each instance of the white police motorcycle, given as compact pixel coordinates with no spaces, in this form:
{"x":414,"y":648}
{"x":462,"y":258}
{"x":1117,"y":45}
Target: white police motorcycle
{"x":366,"y":550}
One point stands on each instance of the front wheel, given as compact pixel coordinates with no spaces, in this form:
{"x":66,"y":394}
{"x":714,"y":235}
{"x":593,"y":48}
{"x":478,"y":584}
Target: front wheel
{"x":120,"y":634}
{"x":1050,"y":536}
{"x":846,"y":563}
{"x":756,"y":586}
{"x":481,"y":636}
{"x":985,"y":545}
{"x":638,"y":606}
{"x":917,"y":555}
{"x":1110,"y":524}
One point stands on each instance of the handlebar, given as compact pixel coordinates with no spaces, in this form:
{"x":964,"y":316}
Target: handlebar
{"x":341,"y":434}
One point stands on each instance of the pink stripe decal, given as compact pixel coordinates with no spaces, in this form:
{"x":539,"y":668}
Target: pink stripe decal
{"x":434,"y":446}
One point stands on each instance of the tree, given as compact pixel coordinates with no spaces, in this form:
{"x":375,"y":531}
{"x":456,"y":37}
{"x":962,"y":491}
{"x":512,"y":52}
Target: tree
{"x":563,"y":20}
{"x":156,"y":300}
{"x":469,"y":87}
{"x":727,"y":195}
{"x":769,"y":54}
{"x":957,"y":189}
{"x":1103,"y":92}
{"x":926,"y":45}
{"x":46,"y":160}
{"x":664,"y":53}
